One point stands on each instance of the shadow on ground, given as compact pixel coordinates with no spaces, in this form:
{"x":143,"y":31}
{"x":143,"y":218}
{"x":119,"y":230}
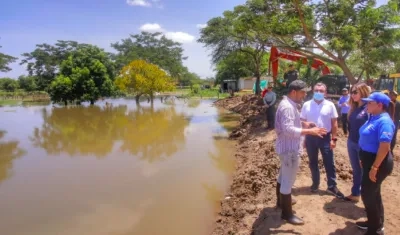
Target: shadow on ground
{"x":268,"y":222}
{"x":344,"y":209}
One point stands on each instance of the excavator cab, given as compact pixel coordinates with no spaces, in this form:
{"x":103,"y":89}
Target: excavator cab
{"x":389,"y":82}
{"x":334,"y":84}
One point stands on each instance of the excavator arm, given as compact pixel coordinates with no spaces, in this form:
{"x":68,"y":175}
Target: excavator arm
{"x":295,"y":56}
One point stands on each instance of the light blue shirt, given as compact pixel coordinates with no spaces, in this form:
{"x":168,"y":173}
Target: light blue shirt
{"x":344,"y":100}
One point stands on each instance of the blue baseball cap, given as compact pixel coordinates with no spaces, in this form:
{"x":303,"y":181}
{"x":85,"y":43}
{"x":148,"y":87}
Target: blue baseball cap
{"x":378,"y":97}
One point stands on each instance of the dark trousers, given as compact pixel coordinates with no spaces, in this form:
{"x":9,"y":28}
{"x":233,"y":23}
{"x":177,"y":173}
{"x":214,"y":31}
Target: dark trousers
{"x":271,"y":117}
{"x":345,"y":123}
{"x":315,"y":144}
{"x":394,"y":139}
{"x":371,"y":192}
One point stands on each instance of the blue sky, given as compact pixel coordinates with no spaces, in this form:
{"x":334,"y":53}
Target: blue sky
{"x":25,"y":23}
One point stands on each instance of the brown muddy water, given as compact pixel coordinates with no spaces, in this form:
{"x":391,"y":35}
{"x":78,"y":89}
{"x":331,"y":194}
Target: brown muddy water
{"x":117,"y":169}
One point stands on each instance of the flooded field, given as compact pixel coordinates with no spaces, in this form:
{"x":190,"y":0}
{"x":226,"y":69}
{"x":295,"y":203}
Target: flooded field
{"x":113,"y":169}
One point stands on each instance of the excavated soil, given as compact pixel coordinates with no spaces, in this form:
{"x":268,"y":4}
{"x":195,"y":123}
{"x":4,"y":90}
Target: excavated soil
{"x":249,"y":206}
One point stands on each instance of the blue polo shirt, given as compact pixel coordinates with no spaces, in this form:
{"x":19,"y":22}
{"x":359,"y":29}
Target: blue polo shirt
{"x":377,"y":129}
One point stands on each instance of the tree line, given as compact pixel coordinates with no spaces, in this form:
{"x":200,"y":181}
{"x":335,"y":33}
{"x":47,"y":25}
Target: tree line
{"x":70,"y":71}
{"x":358,"y":37}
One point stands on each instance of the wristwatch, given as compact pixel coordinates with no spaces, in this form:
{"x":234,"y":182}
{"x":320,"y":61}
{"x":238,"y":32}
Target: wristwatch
{"x":334,"y":139}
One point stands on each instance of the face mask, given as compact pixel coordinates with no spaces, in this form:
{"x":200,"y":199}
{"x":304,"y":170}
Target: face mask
{"x":318,"y":96}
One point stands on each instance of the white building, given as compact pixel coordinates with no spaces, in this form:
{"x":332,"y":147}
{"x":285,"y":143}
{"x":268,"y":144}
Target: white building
{"x":247,"y":83}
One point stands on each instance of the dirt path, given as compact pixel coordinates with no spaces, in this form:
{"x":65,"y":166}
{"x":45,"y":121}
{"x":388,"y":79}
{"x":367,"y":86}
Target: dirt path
{"x":249,"y":208}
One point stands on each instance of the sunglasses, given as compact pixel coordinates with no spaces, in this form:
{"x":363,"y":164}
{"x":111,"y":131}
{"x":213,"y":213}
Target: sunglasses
{"x":354,"y":92}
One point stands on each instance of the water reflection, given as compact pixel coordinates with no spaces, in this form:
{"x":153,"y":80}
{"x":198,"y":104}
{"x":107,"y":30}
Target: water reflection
{"x":80,"y":130}
{"x":154,"y":135}
{"x":193,"y":103}
{"x":117,"y":194}
{"x":146,"y":132}
{"x":9,"y":151}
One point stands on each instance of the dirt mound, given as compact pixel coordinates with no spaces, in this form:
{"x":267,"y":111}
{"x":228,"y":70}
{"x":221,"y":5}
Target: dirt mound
{"x":248,"y":208}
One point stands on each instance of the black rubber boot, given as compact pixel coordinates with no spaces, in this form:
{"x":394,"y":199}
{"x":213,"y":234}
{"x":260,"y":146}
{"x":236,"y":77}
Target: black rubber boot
{"x":278,"y":196}
{"x":287,"y":212}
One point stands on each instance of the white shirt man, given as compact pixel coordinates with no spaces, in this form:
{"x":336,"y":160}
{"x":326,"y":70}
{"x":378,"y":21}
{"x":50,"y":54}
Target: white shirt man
{"x":323,"y":114}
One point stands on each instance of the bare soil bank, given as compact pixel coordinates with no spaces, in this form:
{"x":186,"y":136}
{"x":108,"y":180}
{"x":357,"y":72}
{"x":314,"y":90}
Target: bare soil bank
{"x":249,"y":207}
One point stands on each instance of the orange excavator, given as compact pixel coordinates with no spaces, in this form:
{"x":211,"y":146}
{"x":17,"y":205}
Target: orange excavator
{"x":295,"y":56}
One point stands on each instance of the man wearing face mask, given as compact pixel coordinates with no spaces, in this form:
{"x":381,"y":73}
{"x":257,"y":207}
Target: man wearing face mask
{"x":323,"y":113}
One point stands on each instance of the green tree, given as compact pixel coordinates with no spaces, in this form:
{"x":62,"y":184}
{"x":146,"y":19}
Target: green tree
{"x":238,"y":64}
{"x":142,"y":78}
{"x":187,"y":78}
{"x":86,"y":75}
{"x":238,"y":30}
{"x":336,"y":28}
{"x":154,"y":48}
{"x":44,"y":62}
{"x":27,"y":83}
{"x":8,"y":84}
{"x":347,"y":26}
{"x":5,"y":60}
{"x":61,"y":90}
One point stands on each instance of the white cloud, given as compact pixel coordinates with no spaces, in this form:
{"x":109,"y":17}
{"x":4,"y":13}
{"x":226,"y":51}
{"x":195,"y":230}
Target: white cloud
{"x":142,"y":3}
{"x":201,"y":26}
{"x":145,"y":3}
{"x":180,"y":37}
{"x":150,"y":27}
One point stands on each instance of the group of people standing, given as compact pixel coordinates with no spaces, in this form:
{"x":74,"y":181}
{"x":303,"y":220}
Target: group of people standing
{"x":370,"y":127}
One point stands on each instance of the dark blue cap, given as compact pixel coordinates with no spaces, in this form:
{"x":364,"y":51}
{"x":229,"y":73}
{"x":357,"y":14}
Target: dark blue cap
{"x":378,"y":97}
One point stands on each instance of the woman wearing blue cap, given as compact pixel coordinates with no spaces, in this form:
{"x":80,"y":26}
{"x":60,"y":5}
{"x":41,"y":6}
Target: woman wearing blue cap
{"x":376,"y":159}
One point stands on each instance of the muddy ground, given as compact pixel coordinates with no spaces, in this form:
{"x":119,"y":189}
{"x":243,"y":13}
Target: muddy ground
{"x":249,"y":206}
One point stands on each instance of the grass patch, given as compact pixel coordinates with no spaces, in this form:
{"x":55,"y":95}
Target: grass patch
{"x":204,"y":93}
{"x":10,"y":102}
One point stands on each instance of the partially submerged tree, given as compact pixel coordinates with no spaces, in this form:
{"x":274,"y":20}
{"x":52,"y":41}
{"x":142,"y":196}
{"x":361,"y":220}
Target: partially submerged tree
{"x":86,"y":75}
{"x":142,"y":78}
{"x":61,"y":90}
